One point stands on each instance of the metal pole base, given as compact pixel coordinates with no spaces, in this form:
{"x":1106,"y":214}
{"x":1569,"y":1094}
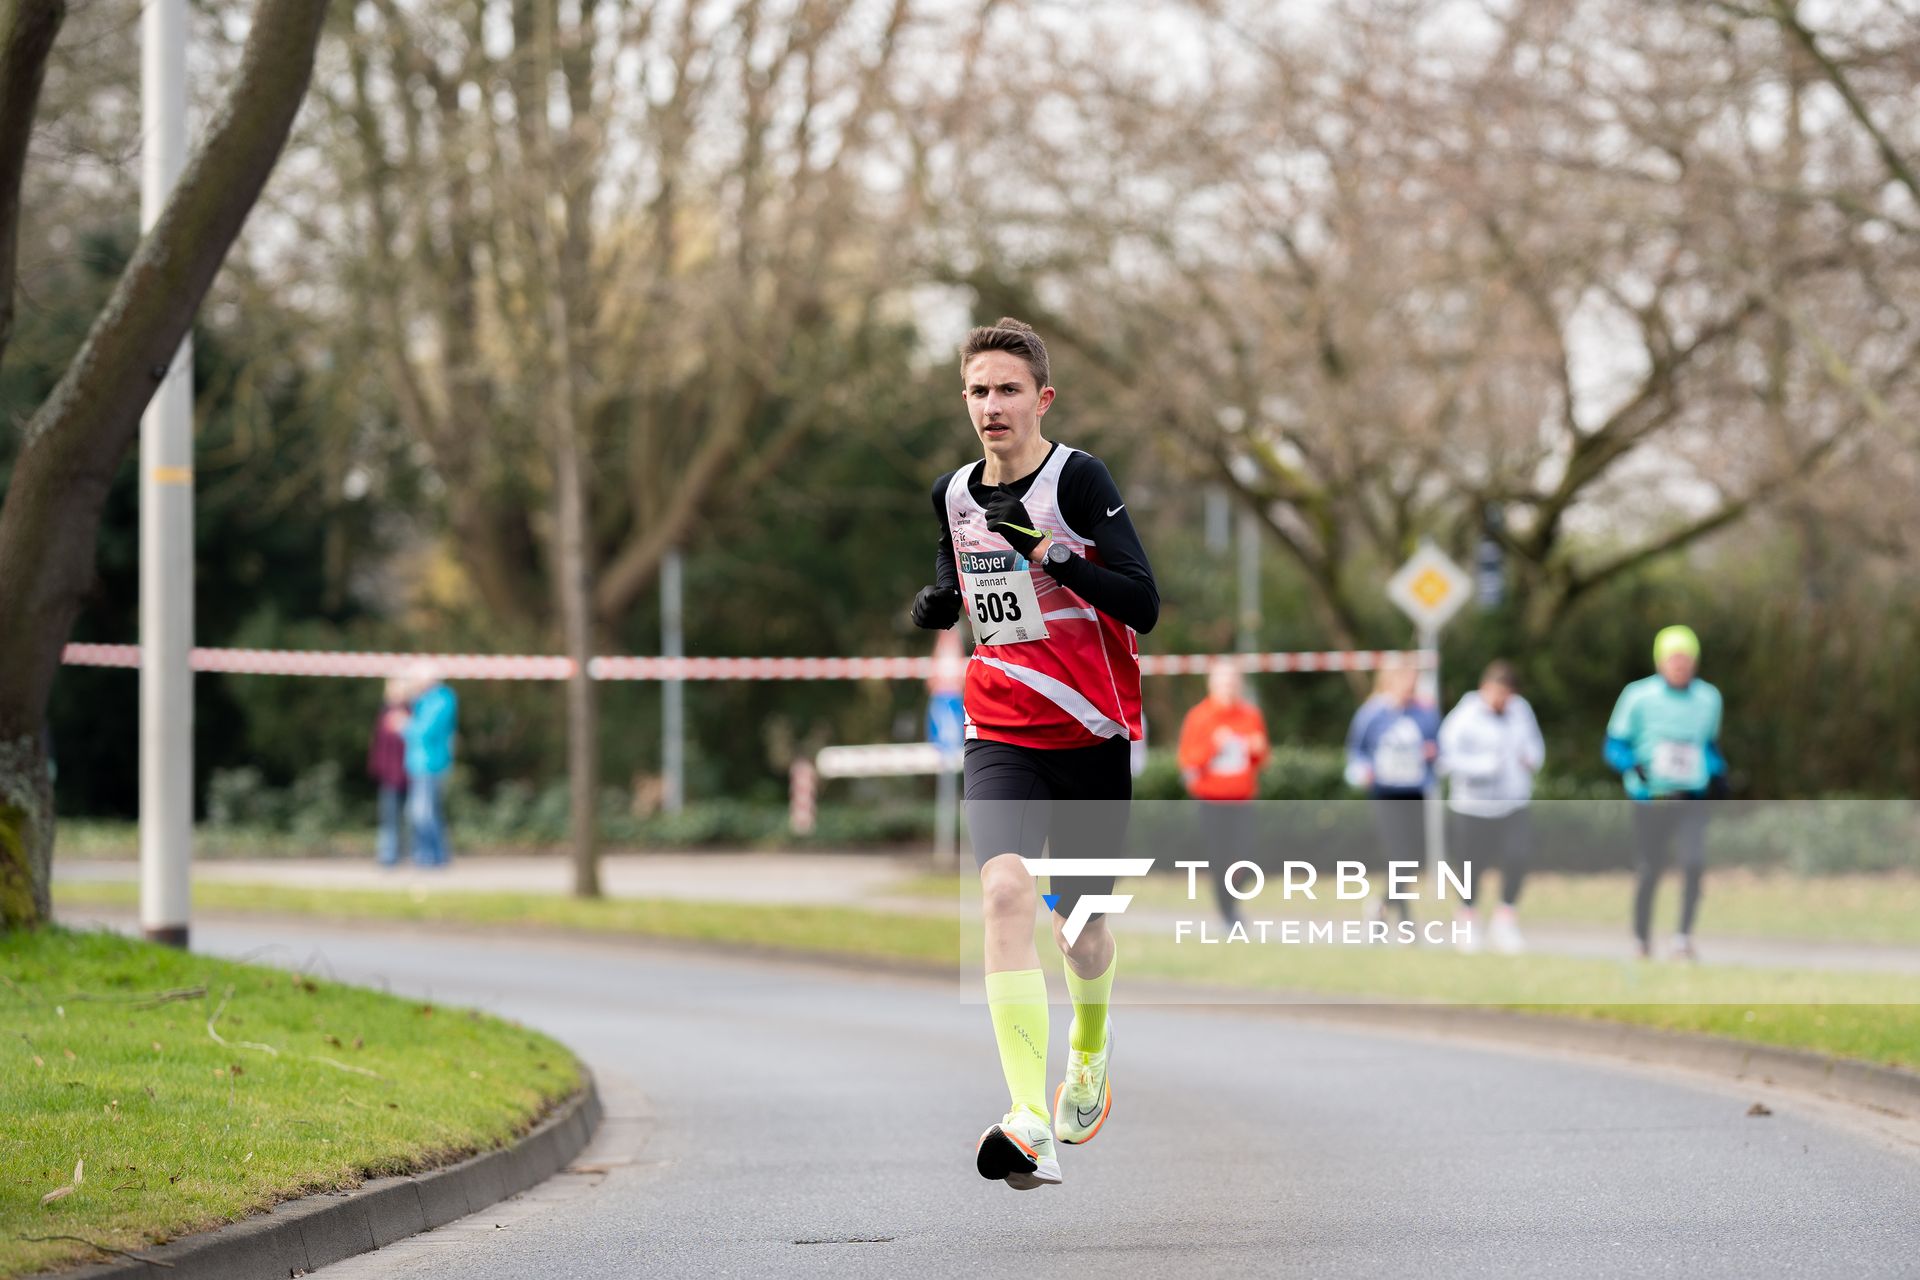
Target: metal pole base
{"x":168,"y":935}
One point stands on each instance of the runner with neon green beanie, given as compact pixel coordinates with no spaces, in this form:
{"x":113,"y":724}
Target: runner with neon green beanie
{"x":1664,"y":740}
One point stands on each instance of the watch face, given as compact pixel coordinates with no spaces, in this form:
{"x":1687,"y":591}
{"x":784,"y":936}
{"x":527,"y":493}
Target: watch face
{"x":1057,"y":554}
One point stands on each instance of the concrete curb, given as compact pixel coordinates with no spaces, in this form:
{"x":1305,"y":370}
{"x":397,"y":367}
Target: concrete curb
{"x":304,"y":1235}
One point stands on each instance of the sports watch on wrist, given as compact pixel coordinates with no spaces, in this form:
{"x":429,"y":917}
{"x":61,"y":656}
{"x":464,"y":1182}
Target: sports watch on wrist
{"x":1057,"y":554}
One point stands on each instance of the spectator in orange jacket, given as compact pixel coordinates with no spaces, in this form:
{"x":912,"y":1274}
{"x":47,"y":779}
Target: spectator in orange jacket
{"x":1223,"y":744}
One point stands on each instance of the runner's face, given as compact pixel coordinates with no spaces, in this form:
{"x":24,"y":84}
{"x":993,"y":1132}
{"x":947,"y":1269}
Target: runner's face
{"x":1495,"y":695}
{"x":1678,"y":669}
{"x":1003,"y":403}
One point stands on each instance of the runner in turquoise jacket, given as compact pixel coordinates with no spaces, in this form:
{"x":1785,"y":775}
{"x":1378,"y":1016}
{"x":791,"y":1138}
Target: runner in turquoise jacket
{"x":1664,"y":739}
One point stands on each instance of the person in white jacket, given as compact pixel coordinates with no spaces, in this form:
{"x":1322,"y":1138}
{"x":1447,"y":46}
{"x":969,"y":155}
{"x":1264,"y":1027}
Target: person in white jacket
{"x":1490,"y":748}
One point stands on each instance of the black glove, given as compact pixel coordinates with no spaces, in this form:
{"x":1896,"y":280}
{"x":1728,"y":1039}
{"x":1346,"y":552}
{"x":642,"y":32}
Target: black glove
{"x":1007,"y":516}
{"x":936,"y":608}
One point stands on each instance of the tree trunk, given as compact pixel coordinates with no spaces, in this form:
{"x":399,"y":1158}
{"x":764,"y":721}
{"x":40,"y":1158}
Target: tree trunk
{"x":583,"y":712}
{"x":75,"y":441}
{"x":575,"y":588}
{"x":573,"y":569}
{"x":26,"y":832}
{"x":27,"y":31}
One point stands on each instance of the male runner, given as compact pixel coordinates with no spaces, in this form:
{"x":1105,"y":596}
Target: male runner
{"x":1490,"y":750}
{"x":1664,"y":739}
{"x":1036,"y":545}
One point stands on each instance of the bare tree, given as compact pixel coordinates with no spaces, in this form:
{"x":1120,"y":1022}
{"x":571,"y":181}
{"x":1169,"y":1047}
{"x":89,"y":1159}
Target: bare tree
{"x":624,"y":260}
{"x":73,"y":444}
{"x":1388,"y":270}
{"x":722,"y":251}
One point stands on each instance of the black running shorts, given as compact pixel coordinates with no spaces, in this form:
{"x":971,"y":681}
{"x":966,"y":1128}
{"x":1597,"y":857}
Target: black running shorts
{"x":1072,"y":803}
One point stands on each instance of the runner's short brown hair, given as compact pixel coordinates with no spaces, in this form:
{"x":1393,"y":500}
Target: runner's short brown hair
{"x":1500,"y":671}
{"x":1013,"y":336}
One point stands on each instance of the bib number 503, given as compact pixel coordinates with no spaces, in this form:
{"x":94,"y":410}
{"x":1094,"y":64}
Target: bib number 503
{"x":996,"y":606}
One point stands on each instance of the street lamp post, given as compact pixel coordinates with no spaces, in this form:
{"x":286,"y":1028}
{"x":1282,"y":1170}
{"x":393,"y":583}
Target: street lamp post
{"x":166,"y":521}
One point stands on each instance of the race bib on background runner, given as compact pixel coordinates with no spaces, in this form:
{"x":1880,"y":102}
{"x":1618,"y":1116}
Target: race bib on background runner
{"x":1676,"y":763}
{"x":1001,"y":604}
{"x":1400,"y":757}
{"x":1230,"y":754}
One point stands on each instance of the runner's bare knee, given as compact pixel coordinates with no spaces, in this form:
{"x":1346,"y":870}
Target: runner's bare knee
{"x":1005,"y":887}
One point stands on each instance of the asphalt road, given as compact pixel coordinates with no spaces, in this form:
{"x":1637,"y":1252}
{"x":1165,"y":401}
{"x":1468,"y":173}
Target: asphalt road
{"x":776,"y":1119}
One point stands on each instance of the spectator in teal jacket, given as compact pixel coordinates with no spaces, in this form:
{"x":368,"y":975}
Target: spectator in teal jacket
{"x":429,"y":734}
{"x":1664,"y":740}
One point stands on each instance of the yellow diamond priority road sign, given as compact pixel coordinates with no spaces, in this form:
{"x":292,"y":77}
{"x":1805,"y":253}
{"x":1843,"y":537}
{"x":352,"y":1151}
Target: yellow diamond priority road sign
{"x":1430,"y":588}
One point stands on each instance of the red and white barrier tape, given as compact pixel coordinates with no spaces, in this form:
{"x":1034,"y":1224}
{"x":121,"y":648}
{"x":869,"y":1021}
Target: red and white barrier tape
{"x":470,"y":666}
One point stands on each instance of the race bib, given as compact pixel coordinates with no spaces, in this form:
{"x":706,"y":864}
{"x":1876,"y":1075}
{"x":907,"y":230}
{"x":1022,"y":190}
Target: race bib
{"x":1400,"y":758}
{"x":1677,"y":763}
{"x":1001,"y":604}
{"x":1230,"y":755}
{"x":1399,"y":767}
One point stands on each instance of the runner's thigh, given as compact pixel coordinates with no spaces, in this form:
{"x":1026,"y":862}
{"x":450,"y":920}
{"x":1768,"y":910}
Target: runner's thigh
{"x":1093,"y":789}
{"x":1009,"y":802}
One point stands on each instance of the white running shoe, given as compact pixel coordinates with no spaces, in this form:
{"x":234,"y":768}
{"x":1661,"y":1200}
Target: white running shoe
{"x":1084,"y":1098}
{"x":1470,"y":944}
{"x":1505,"y":934}
{"x":1018,"y":1150}
{"x":1683,"y":948}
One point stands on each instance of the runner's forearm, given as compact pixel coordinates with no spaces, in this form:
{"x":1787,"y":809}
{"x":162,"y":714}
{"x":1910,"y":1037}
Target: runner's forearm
{"x":945,"y":575}
{"x":1128,"y":599}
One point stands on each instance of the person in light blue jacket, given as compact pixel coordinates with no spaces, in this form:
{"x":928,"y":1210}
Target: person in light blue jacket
{"x":1664,"y":741}
{"x":429,"y":735}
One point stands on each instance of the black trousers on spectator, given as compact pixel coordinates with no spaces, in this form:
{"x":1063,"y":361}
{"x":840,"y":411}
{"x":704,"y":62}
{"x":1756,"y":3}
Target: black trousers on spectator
{"x":1505,"y":842}
{"x":1662,"y":828}
{"x":1227,"y":830}
{"x":1400,"y":823}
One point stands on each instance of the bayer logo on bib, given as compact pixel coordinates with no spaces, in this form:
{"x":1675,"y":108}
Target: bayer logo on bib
{"x":1001,"y":603}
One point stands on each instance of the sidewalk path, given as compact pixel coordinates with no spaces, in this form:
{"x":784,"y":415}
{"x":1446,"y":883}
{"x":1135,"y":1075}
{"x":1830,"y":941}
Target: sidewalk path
{"x":785,"y":879}
{"x":872,"y":881}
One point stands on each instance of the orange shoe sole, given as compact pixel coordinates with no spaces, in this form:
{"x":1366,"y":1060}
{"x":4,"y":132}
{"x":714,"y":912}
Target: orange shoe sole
{"x":1106,"y":1110}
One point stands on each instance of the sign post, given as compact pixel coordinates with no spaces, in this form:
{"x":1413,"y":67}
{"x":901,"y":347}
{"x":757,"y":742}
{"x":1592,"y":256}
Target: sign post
{"x":1490,"y":562}
{"x":1430,"y":588}
{"x":946,"y":729}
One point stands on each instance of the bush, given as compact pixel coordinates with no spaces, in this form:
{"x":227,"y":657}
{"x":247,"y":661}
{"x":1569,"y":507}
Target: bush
{"x":241,"y":798}
{"x":886,"y":824}
{"x":1825,"y":837}
{"x":316,"y":805}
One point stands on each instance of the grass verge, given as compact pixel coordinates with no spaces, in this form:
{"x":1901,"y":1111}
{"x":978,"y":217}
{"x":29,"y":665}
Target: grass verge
{"x":146,"y":1093}
{"x":1880,"y":909}
{"x":846,"y":931}
{"x":1872,"y":1017}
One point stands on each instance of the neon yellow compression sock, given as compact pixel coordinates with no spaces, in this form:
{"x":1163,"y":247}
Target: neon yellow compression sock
{"x":1090,"y":999}
{"x":1017,"y":999}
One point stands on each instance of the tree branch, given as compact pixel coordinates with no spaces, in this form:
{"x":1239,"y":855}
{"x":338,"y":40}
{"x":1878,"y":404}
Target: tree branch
{"x":1786,"y":13}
